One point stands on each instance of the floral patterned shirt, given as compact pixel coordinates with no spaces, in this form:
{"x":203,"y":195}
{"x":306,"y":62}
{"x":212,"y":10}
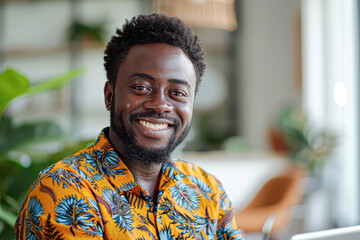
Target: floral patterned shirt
{"x":93,"y":195}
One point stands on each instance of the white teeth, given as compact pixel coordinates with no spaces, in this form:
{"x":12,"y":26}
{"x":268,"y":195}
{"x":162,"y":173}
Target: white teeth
{"x":154,"y":126}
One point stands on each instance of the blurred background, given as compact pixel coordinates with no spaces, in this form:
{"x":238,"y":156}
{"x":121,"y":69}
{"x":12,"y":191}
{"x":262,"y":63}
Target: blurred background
{"x":276,"y":118}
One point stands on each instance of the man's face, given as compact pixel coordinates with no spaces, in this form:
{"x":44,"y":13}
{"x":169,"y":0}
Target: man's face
{"x":152,"y":101}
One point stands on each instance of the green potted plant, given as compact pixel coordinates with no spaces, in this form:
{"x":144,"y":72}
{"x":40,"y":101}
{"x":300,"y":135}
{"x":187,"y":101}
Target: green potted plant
{"x":18,"y":167}
{"x":308,"y":146}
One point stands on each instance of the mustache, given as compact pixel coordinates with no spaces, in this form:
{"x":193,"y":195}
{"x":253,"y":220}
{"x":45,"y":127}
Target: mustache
{"x":154,"y":114}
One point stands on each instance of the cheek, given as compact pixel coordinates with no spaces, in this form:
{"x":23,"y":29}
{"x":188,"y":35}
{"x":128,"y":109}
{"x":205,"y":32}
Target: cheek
{"x":125,"y":103}
{"x":185,"y":113}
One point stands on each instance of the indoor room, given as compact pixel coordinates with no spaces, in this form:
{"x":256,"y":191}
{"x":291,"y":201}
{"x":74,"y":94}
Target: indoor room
{"x":276,"y":117}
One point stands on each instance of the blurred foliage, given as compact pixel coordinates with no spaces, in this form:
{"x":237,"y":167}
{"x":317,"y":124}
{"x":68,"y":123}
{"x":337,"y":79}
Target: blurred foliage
{"x":13,"y":84}
{"x":22,"y":151}
{"x":308,"y":146}
{"x":208,"y":134}
{"x":78,"y":31}
{"x":236,"y":144}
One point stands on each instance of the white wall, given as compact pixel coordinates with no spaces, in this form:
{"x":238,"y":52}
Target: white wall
{"x":268,"y":71}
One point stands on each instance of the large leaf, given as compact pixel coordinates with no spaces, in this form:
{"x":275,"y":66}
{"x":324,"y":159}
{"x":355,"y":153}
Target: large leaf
{"x":8,"y":232}
{"x":12,"y":137}
{"x":7,"y":216}
{"x":14,"y":84}
{"x":55,"y":82}
{"x":8,"y":168}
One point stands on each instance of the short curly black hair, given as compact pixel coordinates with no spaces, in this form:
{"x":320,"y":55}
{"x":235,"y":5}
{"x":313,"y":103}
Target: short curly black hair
{"x":153,"y":28}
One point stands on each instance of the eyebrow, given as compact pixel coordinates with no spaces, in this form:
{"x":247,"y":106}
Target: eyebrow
{"x":179,"y":81}
{"x":147,"y":76}
{"x":143,"y":75}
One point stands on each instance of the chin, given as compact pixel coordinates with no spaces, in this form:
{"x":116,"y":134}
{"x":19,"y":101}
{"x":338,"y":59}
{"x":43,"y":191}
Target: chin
{"x":153,"y":146}
{"x":149,"y":155}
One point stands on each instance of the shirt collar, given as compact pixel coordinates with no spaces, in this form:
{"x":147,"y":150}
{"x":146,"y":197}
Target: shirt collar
{"x":112,"y":165}
{"x":117,"y":171}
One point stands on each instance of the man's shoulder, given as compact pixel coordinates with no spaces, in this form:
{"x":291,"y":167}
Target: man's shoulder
{"x":75,"y":163}
{"x":194,"y":171}
{"x":186,"y":166}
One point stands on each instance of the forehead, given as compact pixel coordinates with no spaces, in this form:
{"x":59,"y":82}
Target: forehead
{"x":159,"y":60}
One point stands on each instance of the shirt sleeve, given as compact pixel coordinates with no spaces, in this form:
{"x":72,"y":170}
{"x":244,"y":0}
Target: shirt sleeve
{"x":227,"y":229}
{"x":59,"y":206}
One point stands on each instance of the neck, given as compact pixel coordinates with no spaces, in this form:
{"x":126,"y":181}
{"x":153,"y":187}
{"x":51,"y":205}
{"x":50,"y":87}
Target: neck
{"x":116,"y":142}
{"x":147,"y":176}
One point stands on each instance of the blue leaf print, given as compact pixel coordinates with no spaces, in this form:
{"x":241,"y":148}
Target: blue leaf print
{"x":206,"y":227}
{"x":173,"y":171}
{"x":127,"y":186}
{"x":185,"y":223}
{"x":91,"y":160}
{"x":210,"y":231}
{"x":73,"y":212}
{"x":228,"y":232}
{"x":74,"y":161}
{"x":185,"y":196}
{"x":121,"y":209}
{"x":103,"y":162}
{"x":160,"y":195}
{"x":34,"y":211}
{"x":100,"y":230}
{"x":203,"y":186}
{"x":224,"y":200}
{"x":111,"y":159}
{"x":166,"y":234}
{"x":97,"y":176}
{"x":95,"y":205}
{"x":159,"y":220}
{"x":65,"y":177}
{"x":46,"y":170}
{"x":83,"y":175}
{"x":111,"y":197}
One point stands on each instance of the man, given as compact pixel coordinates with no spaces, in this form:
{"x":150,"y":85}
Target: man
{"x":126,"y":186}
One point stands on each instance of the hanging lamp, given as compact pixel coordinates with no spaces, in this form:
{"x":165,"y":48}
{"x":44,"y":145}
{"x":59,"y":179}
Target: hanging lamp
{"x":200,"y":13}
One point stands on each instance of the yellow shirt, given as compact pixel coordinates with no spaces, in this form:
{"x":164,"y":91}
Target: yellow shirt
{"x":93,"y":195}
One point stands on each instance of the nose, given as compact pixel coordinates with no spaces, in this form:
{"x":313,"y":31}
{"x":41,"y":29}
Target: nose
{"x":158,"y":102}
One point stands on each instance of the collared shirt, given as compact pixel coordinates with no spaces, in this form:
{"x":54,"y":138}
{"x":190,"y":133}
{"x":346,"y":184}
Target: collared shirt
{"x":93,"y":195}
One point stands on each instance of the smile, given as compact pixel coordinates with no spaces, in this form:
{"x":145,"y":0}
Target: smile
{"x":154,"y":126}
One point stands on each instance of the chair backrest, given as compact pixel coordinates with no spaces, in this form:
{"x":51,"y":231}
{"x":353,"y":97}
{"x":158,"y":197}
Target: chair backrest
{"x":272,"y":203}
{"x":280,"y":190}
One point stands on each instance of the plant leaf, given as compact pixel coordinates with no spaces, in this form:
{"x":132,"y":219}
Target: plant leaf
{"x":8,"y":168}
{"x":55,"y":82}
{"x":11,"y":201}
{"x":12,"y":84}
{"x":28,"y":133}
{"x":7,"y":216}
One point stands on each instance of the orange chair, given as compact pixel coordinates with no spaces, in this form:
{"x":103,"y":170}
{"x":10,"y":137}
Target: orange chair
{"x":268,"y":211}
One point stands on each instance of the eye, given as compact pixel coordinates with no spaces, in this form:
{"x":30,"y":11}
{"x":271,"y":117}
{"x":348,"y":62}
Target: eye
{"x":141,"y":89}
{"x":179,"y":94}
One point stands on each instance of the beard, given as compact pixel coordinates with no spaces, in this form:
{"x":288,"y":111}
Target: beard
{"x":133,"y":150}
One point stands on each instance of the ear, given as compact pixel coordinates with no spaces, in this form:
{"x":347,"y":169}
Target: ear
{"x":108,"y":94}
